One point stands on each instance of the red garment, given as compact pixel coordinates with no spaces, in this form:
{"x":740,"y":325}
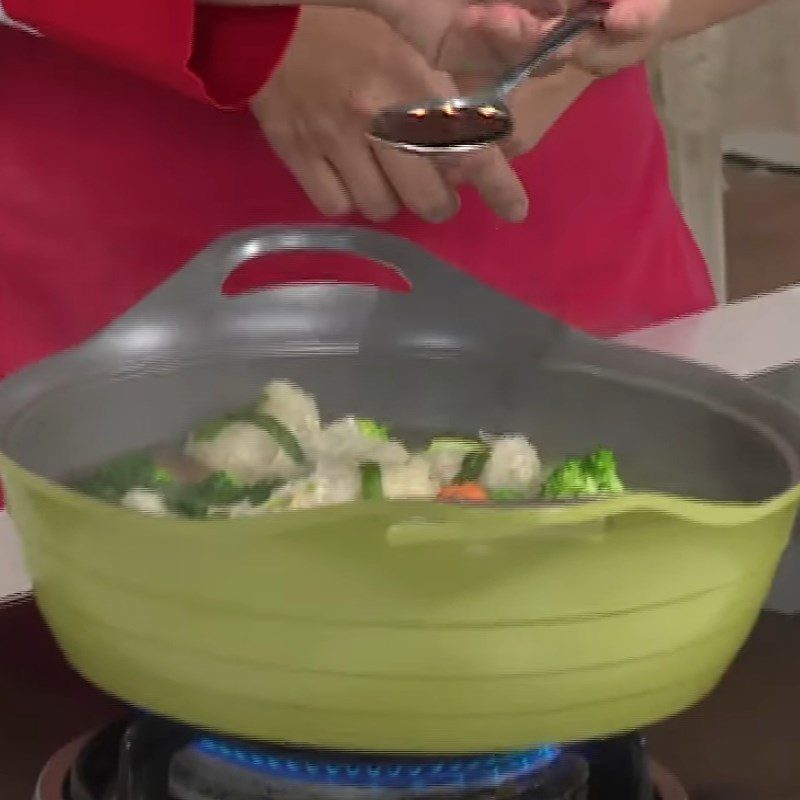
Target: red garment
{"x":110,"y":181}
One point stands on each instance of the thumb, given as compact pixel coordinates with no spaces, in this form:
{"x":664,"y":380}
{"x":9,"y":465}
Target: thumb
{"x":635,"y":18}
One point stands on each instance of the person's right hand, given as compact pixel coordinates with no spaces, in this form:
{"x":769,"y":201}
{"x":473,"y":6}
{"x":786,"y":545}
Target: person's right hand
{"x":340,"y":68}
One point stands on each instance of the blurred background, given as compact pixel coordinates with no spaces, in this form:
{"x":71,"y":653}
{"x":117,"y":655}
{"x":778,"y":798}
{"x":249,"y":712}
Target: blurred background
{"x":730,"y":101}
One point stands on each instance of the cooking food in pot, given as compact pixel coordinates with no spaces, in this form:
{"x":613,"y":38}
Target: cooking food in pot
{"x":278,"y":456}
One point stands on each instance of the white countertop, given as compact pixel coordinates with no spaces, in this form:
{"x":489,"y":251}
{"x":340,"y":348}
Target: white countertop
{"x":743,"y":338}
{"x":14,"y":581}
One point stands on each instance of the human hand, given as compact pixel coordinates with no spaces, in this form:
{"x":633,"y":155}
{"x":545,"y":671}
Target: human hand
{"x":468,"y":38}
{"x":435,"y":28}
{"x":631,"y":29}
{"x":340,"y":68}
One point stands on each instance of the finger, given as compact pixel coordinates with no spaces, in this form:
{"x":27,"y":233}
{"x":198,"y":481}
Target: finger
{"x":635,"y":18}
{"x":487,"y":39}
{"x":512,"y":39}
{"x":419,"y":184}
{"x":601,"y":57}
{"x":506,"y":33}
{"x":371,"y":192}
{"x":464,"y":50}
{"x":317,"y":178}
{"x":496,"y":182}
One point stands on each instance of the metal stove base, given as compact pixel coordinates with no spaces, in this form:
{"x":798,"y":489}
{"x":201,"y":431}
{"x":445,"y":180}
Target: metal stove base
{"x":86,"y":769}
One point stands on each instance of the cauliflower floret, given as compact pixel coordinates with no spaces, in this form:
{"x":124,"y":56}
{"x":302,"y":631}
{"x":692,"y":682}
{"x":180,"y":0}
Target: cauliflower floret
{"x":513,"y":464}
{"x":330,"y":484}
{"x":246,"y":452}
{"x":345,"y":440}
{"x":146,"y":501}
{"x":410,"y":481}
{"x":296,"y":409}
{"x":445,"y":464}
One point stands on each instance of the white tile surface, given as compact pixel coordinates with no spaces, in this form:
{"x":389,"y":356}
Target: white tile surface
{"x":743,"y":338}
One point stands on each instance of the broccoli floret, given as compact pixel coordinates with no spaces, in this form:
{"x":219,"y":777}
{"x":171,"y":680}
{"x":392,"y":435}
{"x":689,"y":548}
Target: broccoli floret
{"x":589,"y":476}
{"x":218,"y":490}
{"x":112,"y":481}
{"x":569,"y":480}
{"x":373,"y":430}
{"x":371,"y":481}
{"x":601,"y":464}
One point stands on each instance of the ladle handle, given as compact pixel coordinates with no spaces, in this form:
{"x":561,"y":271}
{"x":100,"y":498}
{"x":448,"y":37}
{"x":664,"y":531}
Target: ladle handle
{"x":571,"y":26}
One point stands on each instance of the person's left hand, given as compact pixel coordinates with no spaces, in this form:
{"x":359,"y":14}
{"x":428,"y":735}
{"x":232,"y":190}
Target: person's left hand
{"x":341,"y":67}
{"x":631,"y":29}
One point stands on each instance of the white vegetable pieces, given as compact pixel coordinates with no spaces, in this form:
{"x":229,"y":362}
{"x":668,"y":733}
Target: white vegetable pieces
{"x":513,"y":463}
{"x":345,"y":440}
{"x":145,"y":501}
{"x":410,"y":481}
{"x":330,"y":484}
{"x":296,"y":409}
{"x":248,"y":452}
{"x":351,"y":458}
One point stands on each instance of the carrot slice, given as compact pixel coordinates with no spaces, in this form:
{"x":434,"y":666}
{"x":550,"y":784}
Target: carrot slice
{"x":467,"y":492}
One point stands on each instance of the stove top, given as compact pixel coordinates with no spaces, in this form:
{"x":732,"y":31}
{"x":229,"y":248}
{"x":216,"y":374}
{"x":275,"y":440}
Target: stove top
{"x":147,"y":758}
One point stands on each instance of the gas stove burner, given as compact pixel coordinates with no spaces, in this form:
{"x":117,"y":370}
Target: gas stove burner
{"x":147,"y":758}
{"x":210,"y":768}
{"x":378,"y":772}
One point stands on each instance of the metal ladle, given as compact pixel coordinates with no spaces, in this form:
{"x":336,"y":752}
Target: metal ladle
{"x":465,"y":124}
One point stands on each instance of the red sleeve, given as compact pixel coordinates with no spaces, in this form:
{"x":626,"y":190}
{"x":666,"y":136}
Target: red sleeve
{"x":219,"y":54}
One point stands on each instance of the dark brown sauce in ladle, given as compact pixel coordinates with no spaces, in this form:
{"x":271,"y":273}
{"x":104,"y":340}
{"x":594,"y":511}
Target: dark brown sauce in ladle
{"x":447,"y":126}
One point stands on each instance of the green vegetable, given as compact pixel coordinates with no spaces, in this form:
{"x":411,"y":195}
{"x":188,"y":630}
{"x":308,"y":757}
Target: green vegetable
{"x":455,"y":444}
{"x":472,"y":466}
{"x":371,"y":481}
{"x":210,"y":430}
{"x":373,"y":430}
{"x":592,"y":475}
{"x":260,"y":492}
{"x":113,"y":480}
{"x":218,"y":489}
{"x":602,"y":465}
{"x":286,"y":440}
